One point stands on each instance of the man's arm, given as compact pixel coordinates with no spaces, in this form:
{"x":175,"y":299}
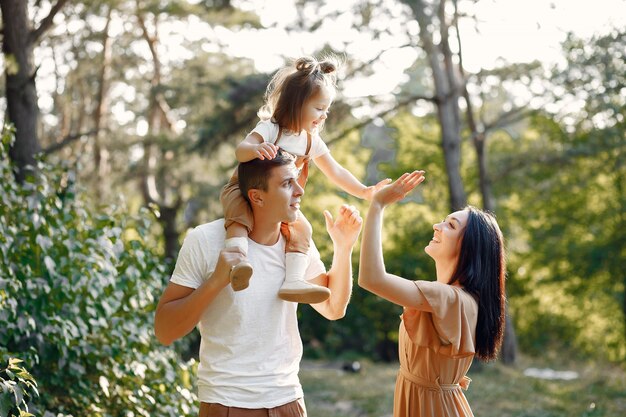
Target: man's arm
{"x":343,"y":232}
{"x":180,"y":308}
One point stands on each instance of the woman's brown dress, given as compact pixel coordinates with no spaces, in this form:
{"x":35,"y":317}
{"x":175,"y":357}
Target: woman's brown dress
{"x":436,"y":351}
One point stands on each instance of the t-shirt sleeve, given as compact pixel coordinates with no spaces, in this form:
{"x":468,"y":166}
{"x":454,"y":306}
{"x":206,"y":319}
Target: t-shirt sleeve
{"x":318,"y":147}
{"x":191,"y":266}
{"x":450,"y":328}
{"x":316,"y":266}
{"x":267,"y":130}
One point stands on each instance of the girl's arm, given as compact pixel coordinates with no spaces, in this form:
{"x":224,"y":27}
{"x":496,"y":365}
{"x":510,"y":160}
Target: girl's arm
{"x":372,"y":274}
{"x":344,"y":179}
{"x":253,"y":147}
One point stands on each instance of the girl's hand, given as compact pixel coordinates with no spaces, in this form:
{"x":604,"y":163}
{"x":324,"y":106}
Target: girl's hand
{"x":266,"y":150}
{"x":398,"y":189}
{"x":372,"y":189}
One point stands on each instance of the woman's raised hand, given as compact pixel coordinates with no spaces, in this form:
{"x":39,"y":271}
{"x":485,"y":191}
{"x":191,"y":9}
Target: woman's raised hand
{"x":398,"y":189}
{"x":372,"y":189}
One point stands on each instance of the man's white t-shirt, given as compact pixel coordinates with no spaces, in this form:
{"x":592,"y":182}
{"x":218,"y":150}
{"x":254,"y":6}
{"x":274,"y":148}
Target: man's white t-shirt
{"x":250,"y":346}
{"x":292,"y":143}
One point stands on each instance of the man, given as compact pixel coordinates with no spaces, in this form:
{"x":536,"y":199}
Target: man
{"x":250,"y":344}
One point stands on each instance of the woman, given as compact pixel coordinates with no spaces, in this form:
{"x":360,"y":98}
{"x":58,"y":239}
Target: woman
{"x":445,"y":323}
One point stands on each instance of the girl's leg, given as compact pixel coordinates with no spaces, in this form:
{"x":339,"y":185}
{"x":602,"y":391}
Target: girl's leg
{"x":237,"y":237}
{"x":238,"y":221}
{"x":295,"y":288}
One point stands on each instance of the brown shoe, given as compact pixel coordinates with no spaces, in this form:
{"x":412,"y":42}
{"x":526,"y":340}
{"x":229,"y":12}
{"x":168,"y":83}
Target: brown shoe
{"x":240,"y":276}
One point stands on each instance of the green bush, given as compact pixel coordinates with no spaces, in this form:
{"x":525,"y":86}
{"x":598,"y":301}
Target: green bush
{"x":16,"y":386}
{"x":78,"y":290}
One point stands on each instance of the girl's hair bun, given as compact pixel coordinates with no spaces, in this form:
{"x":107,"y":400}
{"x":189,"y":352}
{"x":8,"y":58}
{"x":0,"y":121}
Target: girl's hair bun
{"x":309,"y":65}
{"x":306,"y":64}
{"x":328,"y":66}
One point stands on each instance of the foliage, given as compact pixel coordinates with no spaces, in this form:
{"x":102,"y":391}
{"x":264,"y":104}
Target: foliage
{"x":16,"y":386}
{"x":78,"y":289}
{"x":565,"y":241}
{"x":561,"y":187}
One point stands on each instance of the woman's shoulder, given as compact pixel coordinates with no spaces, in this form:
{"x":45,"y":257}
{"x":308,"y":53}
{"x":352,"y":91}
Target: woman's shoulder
{"x":446,"y":294}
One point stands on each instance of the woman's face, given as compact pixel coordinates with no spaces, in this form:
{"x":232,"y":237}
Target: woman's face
{"x":446,"y":242}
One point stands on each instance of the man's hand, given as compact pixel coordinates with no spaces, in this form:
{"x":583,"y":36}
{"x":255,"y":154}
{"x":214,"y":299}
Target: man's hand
{"x":229,"y":257}
{"x":345,"y":230}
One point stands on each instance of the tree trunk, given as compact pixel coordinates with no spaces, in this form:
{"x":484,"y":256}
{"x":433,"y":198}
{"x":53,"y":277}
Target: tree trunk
{"x":18,"y":43}
{"x":447,"y":98}
{"x":509,"y":344}
{"x":479,"y":138}
{"x":21,"y":93}
{"x":155,"y":188}
{"x":101,"y":154}
{"x":170,"y":230}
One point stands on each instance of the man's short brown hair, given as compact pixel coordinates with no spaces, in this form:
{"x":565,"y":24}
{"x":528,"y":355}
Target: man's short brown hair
{"x":255,"y":174}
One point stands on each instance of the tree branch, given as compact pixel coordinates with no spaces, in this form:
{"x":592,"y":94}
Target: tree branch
{"x":46,"y":23}
{"x":371,"y":61}
{"x":542,"y":157}
{"x":67,"y":140}
{"x":471,"y":121}
{"x":367,"y":121}
{"x":512,"y":116}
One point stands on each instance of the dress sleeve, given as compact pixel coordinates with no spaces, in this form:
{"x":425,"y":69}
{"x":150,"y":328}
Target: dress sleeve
{"x":451,"y":327}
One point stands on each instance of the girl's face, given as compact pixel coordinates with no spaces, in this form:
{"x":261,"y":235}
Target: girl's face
{"x":315,"y":109}
{"x":446,"y":242}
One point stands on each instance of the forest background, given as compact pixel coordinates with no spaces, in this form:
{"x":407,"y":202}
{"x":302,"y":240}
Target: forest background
{"x":121,"y":119}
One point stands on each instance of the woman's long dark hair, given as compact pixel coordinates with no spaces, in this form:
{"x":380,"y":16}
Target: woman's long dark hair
{"x":481,"y":271}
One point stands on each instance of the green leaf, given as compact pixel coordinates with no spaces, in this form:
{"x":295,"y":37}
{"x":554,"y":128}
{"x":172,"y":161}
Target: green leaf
{"x":6,"y":403}
{"x":14,"y":361}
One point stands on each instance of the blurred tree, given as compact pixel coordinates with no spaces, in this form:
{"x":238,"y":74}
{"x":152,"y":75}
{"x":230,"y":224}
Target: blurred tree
{"x":433,"y":19}
{"x":565,"y":203}
{"x":102,"y":77}
{"x":18,"y":42}
{"x":78,"y":290}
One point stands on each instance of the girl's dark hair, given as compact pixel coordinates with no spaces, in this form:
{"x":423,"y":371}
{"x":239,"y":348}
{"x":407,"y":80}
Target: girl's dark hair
{"x":481,"y":271}
{"x":292,"y":86}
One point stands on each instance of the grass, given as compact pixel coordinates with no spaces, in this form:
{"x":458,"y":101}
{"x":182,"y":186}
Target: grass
{"x":496,"y":390}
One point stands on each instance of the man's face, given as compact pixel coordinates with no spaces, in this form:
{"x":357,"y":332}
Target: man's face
{"x":281,"y":201}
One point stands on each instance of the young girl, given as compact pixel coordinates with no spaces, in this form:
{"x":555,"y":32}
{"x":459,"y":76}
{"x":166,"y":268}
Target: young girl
{"x":296,"y":105}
